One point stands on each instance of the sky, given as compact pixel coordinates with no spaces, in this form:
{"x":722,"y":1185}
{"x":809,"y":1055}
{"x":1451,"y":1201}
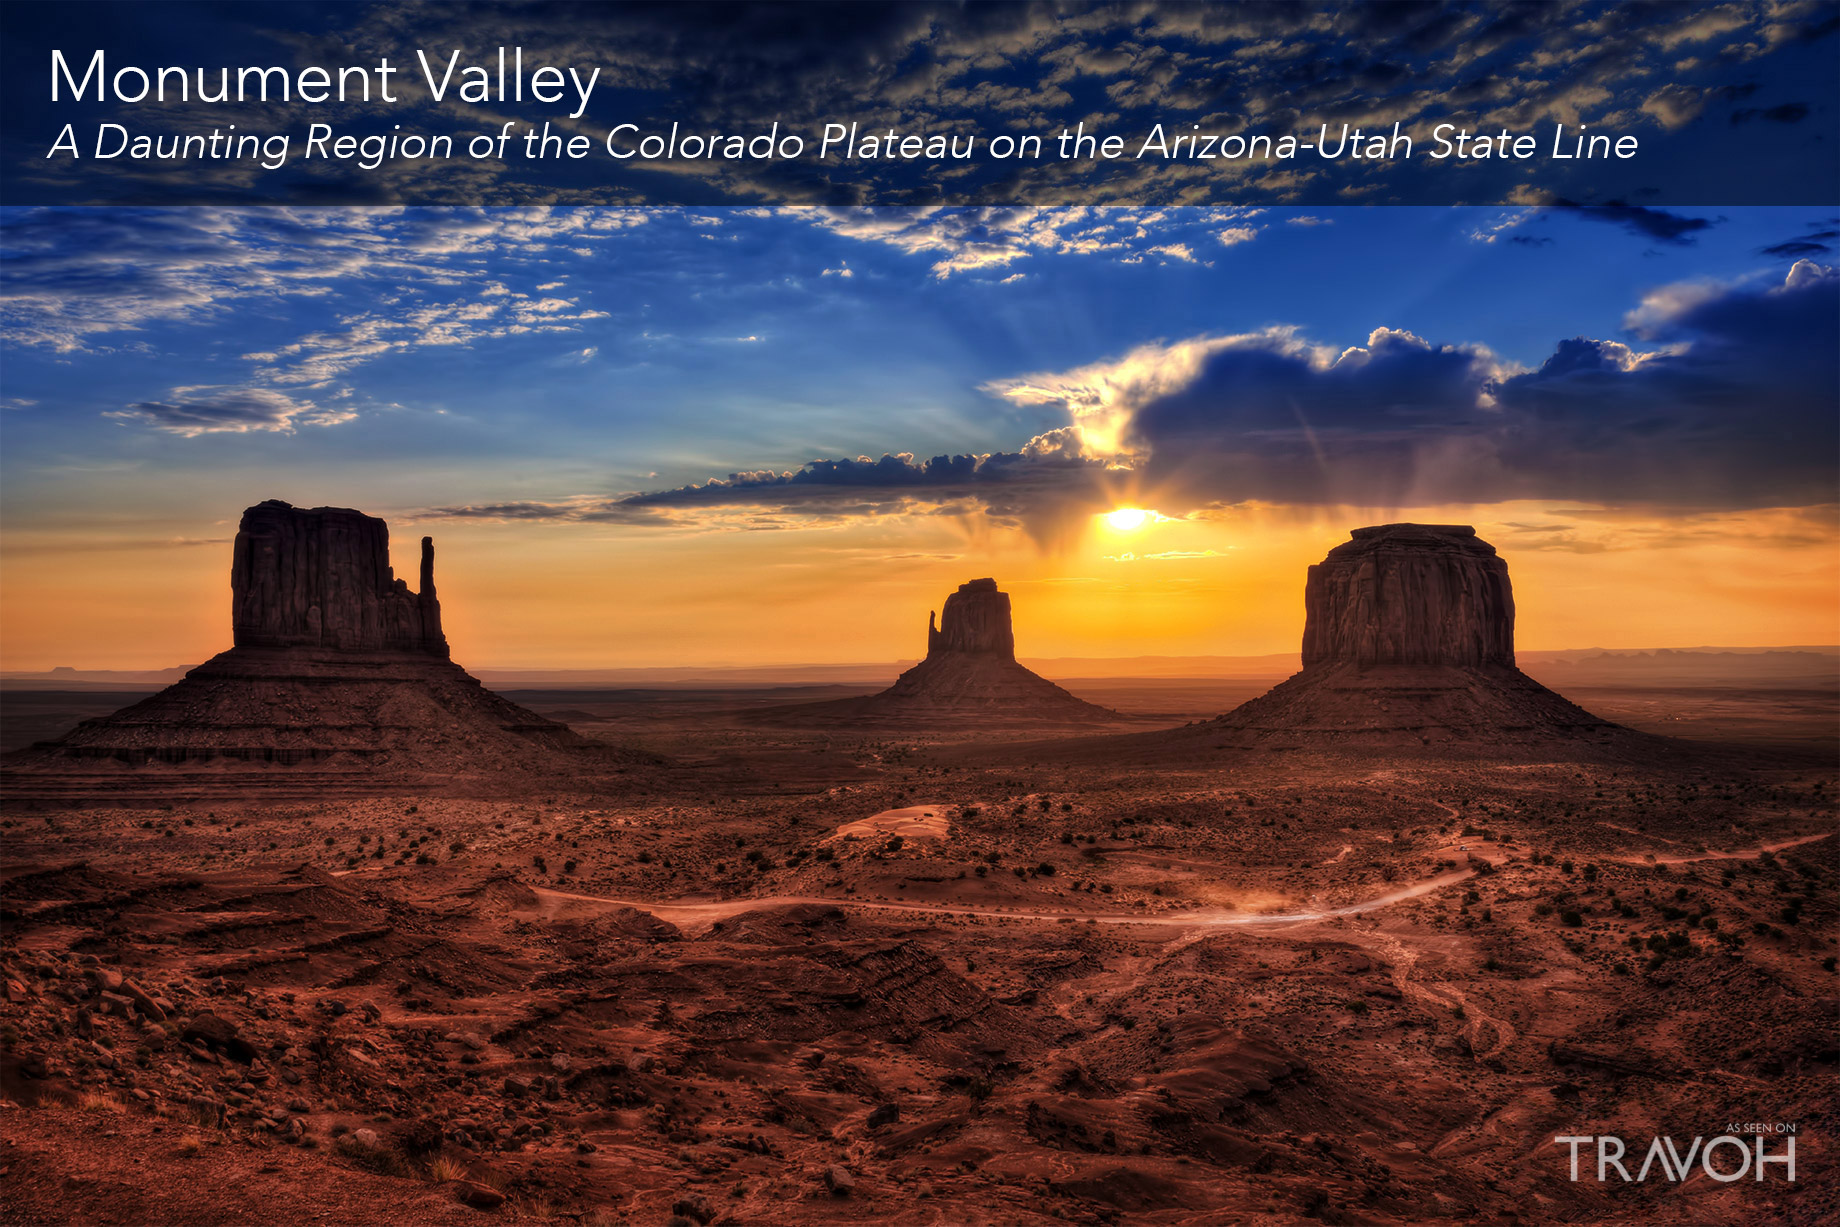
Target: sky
{"x":733,"y":436}
{"x":1730,"y":102}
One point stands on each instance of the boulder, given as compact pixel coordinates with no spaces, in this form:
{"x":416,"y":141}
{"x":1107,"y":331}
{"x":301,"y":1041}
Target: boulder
{"x":220,"y":1034}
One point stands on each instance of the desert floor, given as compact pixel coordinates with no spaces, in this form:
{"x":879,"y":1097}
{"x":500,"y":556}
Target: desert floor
{"x":935,"y":976}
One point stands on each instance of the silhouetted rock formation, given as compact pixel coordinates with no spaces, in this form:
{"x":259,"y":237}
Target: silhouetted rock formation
{"x":1409,"y":594}
{"x":975,"y":619}
{"x":970,"y":675}
{"x":339,"y":672}
{"x":321,"y":578}
{"x":1409,"y":637}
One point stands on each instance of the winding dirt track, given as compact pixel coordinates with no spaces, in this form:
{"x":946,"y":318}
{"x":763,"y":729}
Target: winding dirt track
{"x":698,"y":913}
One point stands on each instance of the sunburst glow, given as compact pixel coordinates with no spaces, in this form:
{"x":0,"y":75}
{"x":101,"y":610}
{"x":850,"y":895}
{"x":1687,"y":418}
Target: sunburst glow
{"x":1128,"y":519}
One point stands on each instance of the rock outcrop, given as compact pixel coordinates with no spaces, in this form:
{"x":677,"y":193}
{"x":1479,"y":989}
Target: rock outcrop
{"x":975,"y":620}
{"x":339,"y":673}
{"x":970,"y":676}
{"x":321,"y":578}
{"x":1409,"y":638}
{"x":1409,"y":594}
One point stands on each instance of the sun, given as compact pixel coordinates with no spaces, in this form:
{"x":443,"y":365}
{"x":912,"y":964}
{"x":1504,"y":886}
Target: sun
{"x":1128,"y":519}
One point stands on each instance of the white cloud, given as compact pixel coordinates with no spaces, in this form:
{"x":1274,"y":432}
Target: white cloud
{"x":202,"y":410}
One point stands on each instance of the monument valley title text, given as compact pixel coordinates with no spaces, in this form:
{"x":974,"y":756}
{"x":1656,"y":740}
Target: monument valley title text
{"x":506,"y":79}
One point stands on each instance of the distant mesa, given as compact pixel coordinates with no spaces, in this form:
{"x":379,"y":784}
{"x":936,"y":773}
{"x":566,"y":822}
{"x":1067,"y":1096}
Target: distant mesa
{"x":339,"y":673}
{"x":970,"y":675}
{"x":1409,"y":637}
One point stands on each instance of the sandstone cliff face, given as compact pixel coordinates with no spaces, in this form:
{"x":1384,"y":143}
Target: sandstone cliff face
{"x":976,"y":619}
{"x":321,"y":578}
{"x":340,"y":675}
{"x":1409,"y":641}
{"x":1409,"y":594}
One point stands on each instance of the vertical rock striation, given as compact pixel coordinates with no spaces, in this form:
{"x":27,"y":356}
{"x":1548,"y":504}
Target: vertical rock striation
{"x":1409,"y":639}
{"x":339,"y":673}
{"x":1409,"y":594}
{"x":321,"y":578}
{"x":975,"y":619}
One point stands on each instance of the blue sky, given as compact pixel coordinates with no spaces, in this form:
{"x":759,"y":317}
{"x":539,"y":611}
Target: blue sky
{"x":603,"y":347}
{"x":546,"y":376}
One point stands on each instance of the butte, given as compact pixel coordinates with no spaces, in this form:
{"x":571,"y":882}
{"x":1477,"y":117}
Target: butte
{"x":1408,"y":639}
{"x":339,"y":680}
{"x":970,"y":676}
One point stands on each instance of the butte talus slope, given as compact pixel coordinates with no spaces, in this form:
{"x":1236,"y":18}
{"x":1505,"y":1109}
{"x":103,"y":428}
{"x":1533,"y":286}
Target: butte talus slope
{"x":339,"y":677}
{"x":1409,"y":639}
{"x":970,"y":675}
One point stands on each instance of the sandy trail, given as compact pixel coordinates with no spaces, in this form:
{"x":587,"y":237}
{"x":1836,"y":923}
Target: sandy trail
{"x":1750,"y":855}
{"x":698,"y":913}
{"x":695,"y":913}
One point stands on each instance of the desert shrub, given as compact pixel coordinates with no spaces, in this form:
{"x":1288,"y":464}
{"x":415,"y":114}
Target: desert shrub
{"x":1571,"y":918}
{"x":376,"y":1159}
{"x":444,"y":1169}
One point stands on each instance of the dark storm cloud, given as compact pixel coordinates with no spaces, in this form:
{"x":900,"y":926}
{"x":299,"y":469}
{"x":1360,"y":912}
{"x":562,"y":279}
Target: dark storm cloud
{"x":1787,"y":113}
{"x":1657,"y":224}
{"x":1027,"y":487}
{"x":1796,"y":249}
{"x":1814,"y":243}
{"x":1737,"y":409}
{"x":1723,"y":397}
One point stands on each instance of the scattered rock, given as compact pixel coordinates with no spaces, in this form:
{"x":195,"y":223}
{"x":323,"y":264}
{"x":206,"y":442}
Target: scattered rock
{"x":479,"y":1196}
{"x":220,"y":1035}
{"x":694,"y":1206}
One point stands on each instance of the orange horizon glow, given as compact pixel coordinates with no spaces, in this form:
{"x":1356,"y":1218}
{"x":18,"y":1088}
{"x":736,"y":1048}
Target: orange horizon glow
{"x":1231,"y":584}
